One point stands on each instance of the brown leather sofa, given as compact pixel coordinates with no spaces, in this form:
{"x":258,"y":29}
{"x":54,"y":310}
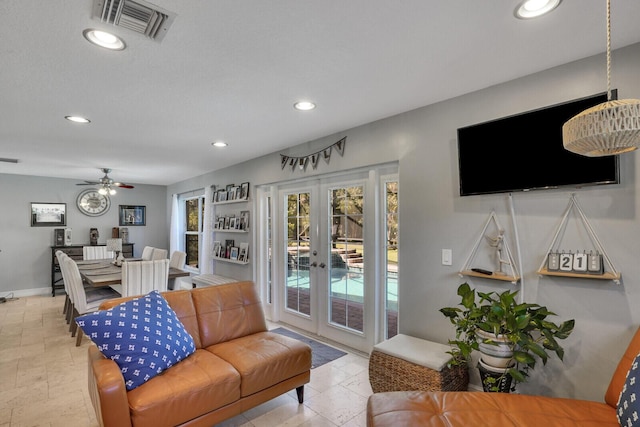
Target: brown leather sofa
{"x":463,"y":408}
{"x":237,"y":365}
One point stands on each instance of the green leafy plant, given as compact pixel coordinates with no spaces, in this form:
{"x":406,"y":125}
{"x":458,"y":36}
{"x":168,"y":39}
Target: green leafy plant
{"x":528,"y":332}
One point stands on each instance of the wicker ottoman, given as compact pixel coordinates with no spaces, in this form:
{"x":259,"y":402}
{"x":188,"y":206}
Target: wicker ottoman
{"x":405,"y":363}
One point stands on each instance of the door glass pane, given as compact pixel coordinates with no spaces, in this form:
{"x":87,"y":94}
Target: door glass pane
{"x":298,"y":235}
{"x":391,"y":278}
{"x":269,"y":252}
{"x":346,"y":289}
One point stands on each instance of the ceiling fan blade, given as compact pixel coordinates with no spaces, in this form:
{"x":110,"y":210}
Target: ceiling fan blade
{"x":88,"y":183}
{"x":122,"y":185}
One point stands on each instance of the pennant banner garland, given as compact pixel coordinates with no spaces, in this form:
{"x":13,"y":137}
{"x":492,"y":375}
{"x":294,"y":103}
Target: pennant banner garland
{"x":303,"y":161}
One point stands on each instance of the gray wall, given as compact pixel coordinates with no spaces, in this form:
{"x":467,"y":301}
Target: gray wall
{"x":433,"y":216}
{"x":25,"y":260}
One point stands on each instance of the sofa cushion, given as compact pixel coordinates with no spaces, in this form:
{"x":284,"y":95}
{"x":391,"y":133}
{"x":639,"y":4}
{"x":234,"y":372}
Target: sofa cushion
{"x":143,"y":336}
{"x":199,"y":384}
{"x":264,"y":359}
{"x":629,"y":404}
{"x":226,"y":312}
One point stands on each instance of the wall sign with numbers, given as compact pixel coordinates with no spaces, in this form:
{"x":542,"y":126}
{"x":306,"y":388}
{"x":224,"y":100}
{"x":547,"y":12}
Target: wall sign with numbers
{"x":578,"y":262}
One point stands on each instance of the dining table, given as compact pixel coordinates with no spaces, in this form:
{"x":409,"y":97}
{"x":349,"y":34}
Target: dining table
{"x":103,"y":272}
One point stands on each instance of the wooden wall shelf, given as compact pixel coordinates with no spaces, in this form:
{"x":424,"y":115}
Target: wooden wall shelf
{"x":605,"y":276}
{"x":494,"y":276}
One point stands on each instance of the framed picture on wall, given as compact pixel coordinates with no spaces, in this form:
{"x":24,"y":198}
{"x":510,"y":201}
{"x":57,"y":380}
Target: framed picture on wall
{"x":48,"y":214}
{"x":244,"y":191}
{"x":244,"y":220}
{"x":133,"y":215}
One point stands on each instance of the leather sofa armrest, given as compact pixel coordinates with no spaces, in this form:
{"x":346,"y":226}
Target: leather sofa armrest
{"x":107,"y":390}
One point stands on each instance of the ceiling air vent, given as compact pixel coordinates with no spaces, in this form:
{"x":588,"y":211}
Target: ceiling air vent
{"x":139,"y":16}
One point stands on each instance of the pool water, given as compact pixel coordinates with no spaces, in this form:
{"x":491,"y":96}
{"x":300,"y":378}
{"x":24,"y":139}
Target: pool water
{"x":350,"y":286}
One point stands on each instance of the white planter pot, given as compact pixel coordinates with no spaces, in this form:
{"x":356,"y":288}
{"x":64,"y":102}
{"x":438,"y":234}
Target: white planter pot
{"x":499,"y":354}
{"x":493,"y":369}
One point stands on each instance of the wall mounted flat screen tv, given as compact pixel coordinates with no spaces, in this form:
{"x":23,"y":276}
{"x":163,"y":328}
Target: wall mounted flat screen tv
{"x":524,"y":152}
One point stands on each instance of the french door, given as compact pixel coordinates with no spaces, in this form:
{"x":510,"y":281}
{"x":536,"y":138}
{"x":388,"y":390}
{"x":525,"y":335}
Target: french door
{"x":328,"y":256}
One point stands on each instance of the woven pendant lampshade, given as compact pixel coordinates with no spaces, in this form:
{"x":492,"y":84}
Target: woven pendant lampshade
{"x":612,"y":127}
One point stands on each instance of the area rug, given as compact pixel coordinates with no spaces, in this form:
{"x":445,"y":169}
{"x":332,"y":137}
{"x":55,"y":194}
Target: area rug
{"x":320,"y":353}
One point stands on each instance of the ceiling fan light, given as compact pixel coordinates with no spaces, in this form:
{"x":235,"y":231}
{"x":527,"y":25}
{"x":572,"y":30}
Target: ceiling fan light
{"x":102,"y":191}
{"x":612,"y":127}
{"x":112,"y":191}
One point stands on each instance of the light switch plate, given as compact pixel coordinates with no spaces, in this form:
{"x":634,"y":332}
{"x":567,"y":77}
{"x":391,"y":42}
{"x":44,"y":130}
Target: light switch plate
{"x":447,"y":257}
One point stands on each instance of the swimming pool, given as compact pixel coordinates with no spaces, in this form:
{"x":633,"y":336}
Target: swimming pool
{"x":350,"y":286}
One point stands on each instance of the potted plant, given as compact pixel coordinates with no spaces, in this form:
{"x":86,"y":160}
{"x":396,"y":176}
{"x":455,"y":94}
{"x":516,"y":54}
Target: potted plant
{"x":510,"y":336}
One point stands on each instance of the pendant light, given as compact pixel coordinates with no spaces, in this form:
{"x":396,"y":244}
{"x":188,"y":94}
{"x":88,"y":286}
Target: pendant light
{"x":612,"y":127}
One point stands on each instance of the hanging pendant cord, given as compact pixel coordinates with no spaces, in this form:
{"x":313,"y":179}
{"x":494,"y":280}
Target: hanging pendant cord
{"x":608,"y":50}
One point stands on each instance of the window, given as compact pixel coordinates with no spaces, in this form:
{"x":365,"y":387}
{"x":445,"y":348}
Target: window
{"x":194,"y":214}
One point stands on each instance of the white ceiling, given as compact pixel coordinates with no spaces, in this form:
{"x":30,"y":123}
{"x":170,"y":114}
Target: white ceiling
{"x":232,"y":69}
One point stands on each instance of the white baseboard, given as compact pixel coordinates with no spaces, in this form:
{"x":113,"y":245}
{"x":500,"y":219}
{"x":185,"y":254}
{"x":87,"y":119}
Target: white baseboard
{"x":26,"y":292}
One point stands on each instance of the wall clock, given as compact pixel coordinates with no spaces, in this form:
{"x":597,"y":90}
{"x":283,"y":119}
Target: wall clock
{"x":92,"y":203}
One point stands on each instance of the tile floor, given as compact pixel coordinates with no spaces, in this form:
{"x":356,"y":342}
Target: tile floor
{"x":43,"y":378}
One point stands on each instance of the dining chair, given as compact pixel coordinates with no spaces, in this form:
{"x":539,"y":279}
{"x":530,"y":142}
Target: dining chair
{"x":147,"y":253}
{"x":159,"y":254}
{"x":68,"y":304}
{"x":96,"y":252}
{"x":83,"y":302}
{"x":141,"y":277}
{"x":177,"y":260}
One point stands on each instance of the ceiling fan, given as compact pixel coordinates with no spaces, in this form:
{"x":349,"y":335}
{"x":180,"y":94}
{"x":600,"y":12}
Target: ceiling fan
{"x":106,"y":183}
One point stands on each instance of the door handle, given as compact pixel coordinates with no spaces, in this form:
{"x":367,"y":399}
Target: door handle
{"x":322,"y":265}
{"x":313,"y":264}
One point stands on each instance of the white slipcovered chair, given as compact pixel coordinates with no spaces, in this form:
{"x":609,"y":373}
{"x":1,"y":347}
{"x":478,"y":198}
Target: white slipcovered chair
{"x":159,"y":254}
{"x":83,"y":302}
{"x":141,"y":277}
{"x":147,"y":253}
{"x":177,"y":260}
{"x":68,"y":299}
{"x":96,"y":252}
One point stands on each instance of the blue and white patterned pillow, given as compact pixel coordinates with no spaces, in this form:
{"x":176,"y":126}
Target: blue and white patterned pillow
{"x":628,"y":403}
{"x":143,"y":336}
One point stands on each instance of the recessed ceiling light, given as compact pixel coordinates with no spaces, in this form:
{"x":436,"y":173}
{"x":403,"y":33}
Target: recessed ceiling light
{"x":528,"y":9}
{"x":219,"y":144}
{"x":304,"y":105}
{"x":104,"y":39}
{"x":77,"y":119}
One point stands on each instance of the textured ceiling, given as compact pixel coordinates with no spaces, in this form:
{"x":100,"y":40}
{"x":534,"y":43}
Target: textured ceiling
{"x":231,"y":70}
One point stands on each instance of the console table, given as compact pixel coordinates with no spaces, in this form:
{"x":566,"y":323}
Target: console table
{"x":75,"y":252}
